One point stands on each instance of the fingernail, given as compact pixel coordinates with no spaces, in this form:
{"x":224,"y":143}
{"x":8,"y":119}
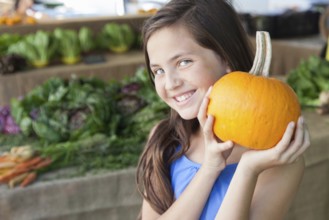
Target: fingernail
{"x":208,"y":92}
{"x":301,"y":120}
{"x":292,"y":124}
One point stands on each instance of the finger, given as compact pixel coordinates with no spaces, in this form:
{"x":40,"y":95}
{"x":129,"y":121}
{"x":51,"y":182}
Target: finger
{"x":286,"y":139}
{"x":299,"y":134}
{"x":297,"y":143}
{"x":207,"y":128}
{"x":202,"y":114}
{"x":306,"y":143}
{"x":226,"y":145}
{"x":208,"y":92}
{"x":227,"y":148}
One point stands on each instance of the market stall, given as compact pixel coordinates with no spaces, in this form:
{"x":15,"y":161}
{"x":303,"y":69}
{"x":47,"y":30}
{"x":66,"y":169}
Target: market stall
{"x":287,"y":55}
{"x":112,"y":194}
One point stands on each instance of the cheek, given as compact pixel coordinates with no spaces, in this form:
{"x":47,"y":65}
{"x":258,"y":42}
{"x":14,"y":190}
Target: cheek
{"x":209,"y":80}
{"x":158,"y":88}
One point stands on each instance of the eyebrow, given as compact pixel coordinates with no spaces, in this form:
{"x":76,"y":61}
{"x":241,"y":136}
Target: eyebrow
{"x":172,"y":58}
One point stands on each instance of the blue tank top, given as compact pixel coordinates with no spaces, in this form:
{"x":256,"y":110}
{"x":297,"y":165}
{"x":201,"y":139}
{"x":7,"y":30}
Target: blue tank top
{"x":182,"y":172}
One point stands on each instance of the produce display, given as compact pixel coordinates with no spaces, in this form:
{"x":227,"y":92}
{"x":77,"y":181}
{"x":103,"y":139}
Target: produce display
{"x":310,"y":80}
{"x":250,"y":109}
{"x":68,"y":41}
{"x":20,"y":166}
{"x":38,"y":48}
{"x":6,"y":40}
{"x":85,"y":123}
{"x":118,"y":38}
{"x":66,"y":46}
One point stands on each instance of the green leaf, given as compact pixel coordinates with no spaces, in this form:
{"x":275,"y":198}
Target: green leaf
{"x":118,"y":37}
{"x":86,"y":39}
{"x":69,"y":46}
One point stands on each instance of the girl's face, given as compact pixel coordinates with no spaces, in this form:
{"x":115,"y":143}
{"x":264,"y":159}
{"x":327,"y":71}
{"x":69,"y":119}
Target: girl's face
{"x":183,"y":70}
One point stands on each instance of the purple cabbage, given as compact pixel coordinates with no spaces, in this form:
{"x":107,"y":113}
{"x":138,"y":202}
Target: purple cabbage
{"x":7,"y":123}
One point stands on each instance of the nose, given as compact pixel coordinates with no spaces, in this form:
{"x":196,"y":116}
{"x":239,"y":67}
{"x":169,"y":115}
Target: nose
{"x":172,"y":80}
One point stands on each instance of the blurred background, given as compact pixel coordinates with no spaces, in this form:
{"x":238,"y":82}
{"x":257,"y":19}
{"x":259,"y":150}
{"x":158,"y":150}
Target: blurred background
{"x":75,"y":100}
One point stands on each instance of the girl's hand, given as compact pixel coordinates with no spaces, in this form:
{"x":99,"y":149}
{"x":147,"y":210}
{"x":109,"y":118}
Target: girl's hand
{"x":216,"y":152}
{"x":287,"y":151}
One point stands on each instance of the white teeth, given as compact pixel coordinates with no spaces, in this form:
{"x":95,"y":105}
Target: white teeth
{"x":183,"y":97}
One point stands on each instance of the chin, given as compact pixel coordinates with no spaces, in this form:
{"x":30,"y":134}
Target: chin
{"x":187,"y":115}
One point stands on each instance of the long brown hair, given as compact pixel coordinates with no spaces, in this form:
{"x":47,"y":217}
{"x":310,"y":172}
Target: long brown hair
{"x":215,"y":25}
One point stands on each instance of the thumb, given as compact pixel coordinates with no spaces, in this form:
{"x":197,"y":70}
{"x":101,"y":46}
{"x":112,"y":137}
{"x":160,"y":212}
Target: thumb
{"x":226,"y":148}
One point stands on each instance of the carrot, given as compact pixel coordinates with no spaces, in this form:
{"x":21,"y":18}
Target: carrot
{"x":16,"y":180}
{"x":28,"y":179}
{"x":4,"y":171}
{"x":8,"y":176}
{"x":5,"y":158}
{"x":5,"y":165}
{"x":42,"y":164}
{"x":30,"y":163}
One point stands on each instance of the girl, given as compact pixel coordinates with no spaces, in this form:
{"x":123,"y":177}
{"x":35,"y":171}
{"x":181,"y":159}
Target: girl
{"x":185,"y":172}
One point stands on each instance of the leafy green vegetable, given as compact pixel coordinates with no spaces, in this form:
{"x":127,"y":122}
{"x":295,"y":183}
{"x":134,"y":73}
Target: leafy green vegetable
{"x":88,"y":123}
{"x":309,"y":79}
{"x":86,"y":39}
{"x":38,"y":48}
{"x":69,"y":46}
{"x":61,"y":110}
{"x":6,"y":40}
{"x":117,"y":37}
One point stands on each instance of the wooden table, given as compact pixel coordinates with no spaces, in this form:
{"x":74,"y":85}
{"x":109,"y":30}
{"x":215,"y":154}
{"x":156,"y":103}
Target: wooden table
{"x":113,"y":195}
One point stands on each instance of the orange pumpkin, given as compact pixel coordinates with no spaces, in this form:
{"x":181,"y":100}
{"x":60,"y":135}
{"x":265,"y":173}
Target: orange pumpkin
{"x":253,"y":110}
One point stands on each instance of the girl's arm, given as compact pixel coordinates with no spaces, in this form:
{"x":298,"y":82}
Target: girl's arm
{"x":265,"y":182}
{"x":275,"y":190}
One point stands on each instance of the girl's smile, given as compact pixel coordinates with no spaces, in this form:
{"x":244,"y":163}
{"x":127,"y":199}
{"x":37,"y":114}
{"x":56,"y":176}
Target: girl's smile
{"x":184,"y":97}
{"x":183,"y":70}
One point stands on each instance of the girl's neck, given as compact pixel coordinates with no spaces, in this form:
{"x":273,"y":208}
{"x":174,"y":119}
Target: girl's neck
{"x":197,"y":145}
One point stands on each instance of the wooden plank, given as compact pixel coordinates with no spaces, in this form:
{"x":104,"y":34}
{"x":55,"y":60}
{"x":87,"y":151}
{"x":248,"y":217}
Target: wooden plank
{"x":8,"y":88}
{"x":95,"y":23}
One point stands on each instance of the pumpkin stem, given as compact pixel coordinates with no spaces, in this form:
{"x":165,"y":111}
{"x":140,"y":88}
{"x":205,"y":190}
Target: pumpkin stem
{"x":262,"y":61}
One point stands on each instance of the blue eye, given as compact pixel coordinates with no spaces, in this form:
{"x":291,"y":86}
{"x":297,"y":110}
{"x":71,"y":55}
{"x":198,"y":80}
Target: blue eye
{"x":184,"y":62}
{"x":158,"y":71}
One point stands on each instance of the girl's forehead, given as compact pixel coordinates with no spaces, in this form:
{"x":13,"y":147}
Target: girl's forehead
{"x":175,"y":30}
{"x":174,"y":35}
{"x":169,"y":41}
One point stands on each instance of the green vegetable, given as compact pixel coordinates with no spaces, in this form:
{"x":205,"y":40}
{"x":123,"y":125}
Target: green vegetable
{"x":84,"y":122}
{"x":37,"y":48}
{"x":69,"y":46}
{"x":118,"y":38}
{"x":6,"y":40}
{"x":309,"y":79}
{"x":86,"y":39}
{"x":61,"y":110}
